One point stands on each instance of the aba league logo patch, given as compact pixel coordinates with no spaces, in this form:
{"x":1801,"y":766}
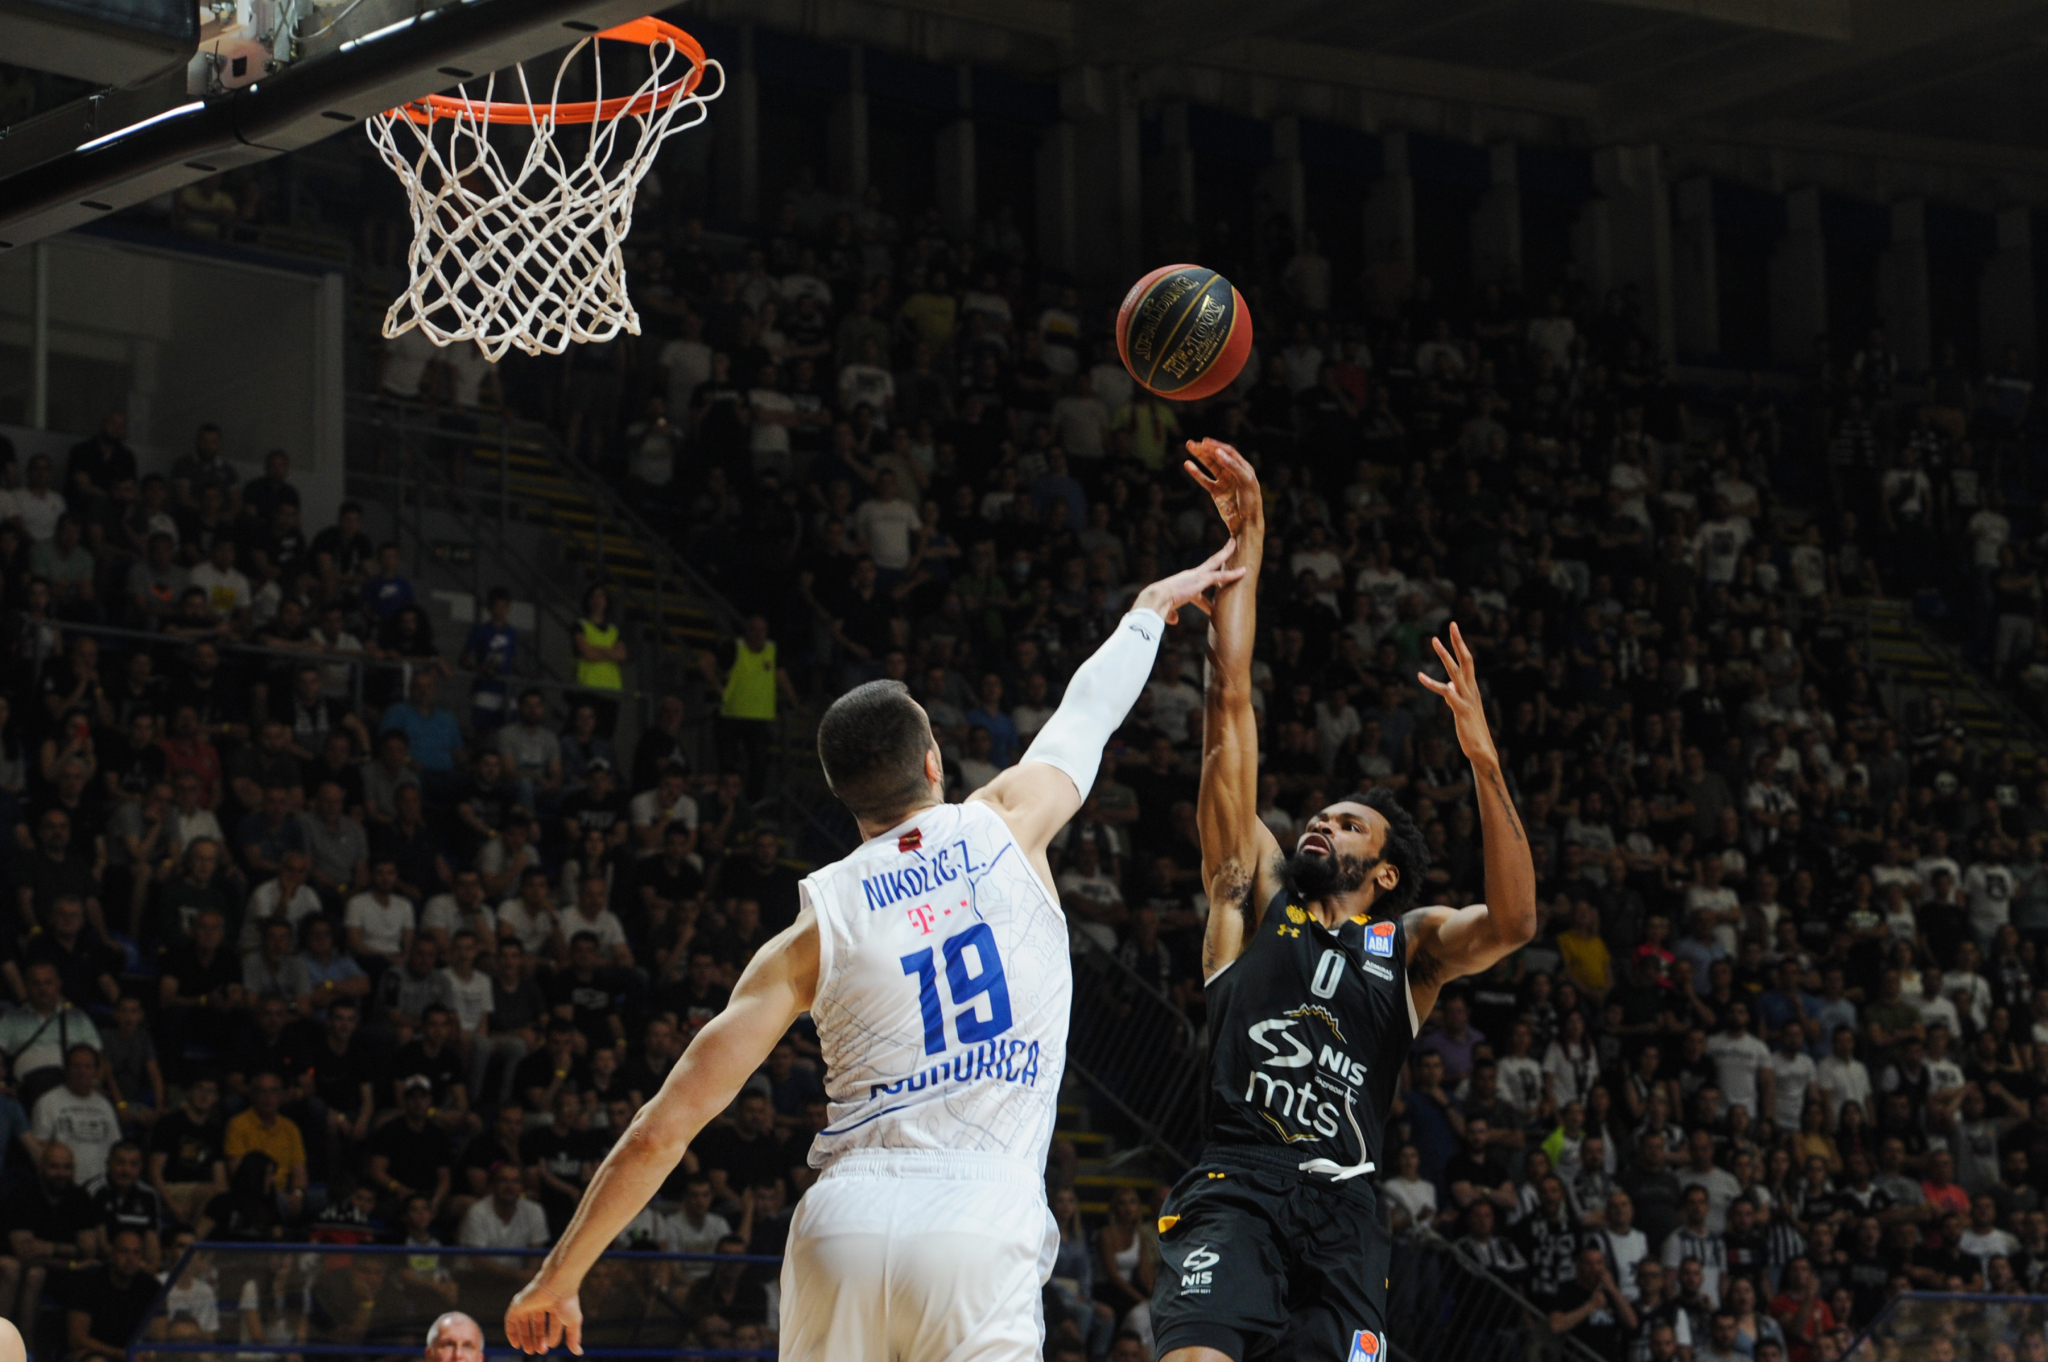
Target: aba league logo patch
{"x":1367,"y":1346}
{"x":1379,"y":939}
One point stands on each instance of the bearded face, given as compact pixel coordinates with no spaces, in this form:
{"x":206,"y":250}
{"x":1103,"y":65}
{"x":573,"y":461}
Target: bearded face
{"x":1321,"y":874}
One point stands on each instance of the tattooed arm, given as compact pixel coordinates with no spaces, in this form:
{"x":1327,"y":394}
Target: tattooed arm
{"x":1446,"y":943}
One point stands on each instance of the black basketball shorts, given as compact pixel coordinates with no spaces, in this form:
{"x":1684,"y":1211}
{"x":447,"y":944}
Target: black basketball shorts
{"x":1260,"y":1260}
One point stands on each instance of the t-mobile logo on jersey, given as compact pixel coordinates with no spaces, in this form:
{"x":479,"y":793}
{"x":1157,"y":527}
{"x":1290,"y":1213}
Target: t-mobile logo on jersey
{"x":1195,"y":1274}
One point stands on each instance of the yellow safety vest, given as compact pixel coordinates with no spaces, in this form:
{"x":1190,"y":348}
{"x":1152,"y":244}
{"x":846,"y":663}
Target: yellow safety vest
{"x":750,"y":688}
{"x":598,"y":675}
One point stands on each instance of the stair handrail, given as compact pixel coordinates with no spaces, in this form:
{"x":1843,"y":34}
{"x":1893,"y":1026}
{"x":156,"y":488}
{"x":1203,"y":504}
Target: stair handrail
{"x":1423,"y":1250}
{"x":546,"y":591}
{"x":656,"y":544}
{"x":1171,"y":1117}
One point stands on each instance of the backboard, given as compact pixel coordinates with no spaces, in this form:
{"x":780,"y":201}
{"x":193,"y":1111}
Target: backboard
{"x":267,"y":77}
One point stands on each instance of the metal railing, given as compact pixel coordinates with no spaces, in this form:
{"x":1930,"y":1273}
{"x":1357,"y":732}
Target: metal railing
{"x":1138,"y":1055}
{"x":1441,"y":1303}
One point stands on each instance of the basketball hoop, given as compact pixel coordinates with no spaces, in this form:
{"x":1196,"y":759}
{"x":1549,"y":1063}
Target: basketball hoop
{"x":527,"y":252}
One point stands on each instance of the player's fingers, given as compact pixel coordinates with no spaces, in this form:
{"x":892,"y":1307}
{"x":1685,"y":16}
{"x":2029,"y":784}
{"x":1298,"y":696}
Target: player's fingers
{"x":573,"y":1331}
{"x":1432,"y":683}
{"x":1464,"y":649}
{"x":1216,"y":560}
{"x":1450,"y":663}
{"x":554,"y":1331}
{"x":1203,"y":478}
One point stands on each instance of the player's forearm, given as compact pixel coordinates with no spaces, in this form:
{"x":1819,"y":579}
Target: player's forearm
{"x":1234,"y":627}
{"x":1510,"y":873}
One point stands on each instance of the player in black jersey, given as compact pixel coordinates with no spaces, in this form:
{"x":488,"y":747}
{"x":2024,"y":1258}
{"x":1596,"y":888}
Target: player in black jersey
{"x":1319,"y":969}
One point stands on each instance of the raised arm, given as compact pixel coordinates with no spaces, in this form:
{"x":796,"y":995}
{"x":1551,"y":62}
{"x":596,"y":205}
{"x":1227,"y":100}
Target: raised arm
{"x":1038,"y":796}
{"x":1447,"y":943}
{"x":1239,"y":853}
{"x":776,"y":988}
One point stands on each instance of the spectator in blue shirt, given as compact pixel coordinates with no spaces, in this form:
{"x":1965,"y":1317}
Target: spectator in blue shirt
{"x":434,"y":736}
{"x":1058,"y":498}
{"x":989,"y":714}
{"x":490,"y":650}
{"x":387,"y":591}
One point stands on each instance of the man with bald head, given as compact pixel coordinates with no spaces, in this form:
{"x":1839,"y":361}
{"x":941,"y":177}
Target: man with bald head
{"x":454,"y":1337}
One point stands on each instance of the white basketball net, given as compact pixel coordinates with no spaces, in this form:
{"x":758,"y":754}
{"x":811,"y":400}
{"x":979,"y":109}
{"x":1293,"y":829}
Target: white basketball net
{"x":528,"y":254}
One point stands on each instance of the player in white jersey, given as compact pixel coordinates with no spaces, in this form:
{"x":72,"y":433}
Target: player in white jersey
{"x":934,"y":961}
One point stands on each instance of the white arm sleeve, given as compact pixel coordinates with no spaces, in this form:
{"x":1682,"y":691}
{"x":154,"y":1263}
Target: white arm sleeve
{"x":1098,"y":697}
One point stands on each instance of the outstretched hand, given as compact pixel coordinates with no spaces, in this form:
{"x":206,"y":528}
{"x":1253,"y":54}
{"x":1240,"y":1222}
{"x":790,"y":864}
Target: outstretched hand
{"x":1192,"y":587}
{"x":1234,"y":486}
{"x":539,"y":1319}
{"x":1460,"y":691}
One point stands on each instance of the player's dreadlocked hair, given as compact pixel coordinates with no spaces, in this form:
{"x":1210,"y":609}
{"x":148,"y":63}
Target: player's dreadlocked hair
{"x":1405,"y":850}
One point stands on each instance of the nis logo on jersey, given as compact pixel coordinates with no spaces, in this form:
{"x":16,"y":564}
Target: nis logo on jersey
{"x":920,"y":878}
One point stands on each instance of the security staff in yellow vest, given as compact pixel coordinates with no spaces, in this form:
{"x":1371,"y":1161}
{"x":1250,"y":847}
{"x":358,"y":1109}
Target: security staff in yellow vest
{"x":752,"y":683}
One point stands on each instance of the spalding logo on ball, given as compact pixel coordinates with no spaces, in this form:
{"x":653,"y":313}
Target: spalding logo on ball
{"x":1184,"y":332}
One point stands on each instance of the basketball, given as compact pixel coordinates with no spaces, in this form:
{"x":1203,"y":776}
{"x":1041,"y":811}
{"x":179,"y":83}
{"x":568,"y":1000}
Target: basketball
{"x":1183,"y":332}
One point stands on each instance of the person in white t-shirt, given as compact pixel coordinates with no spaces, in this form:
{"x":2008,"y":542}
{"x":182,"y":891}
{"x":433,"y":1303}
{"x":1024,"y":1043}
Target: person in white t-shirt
{"x":887,"y":524}
{"x":685,"y":364}
{"x":667,"y":805}
{"x":1793,"y":1076}
{"x":1843,"y":1077}
{"x":76,"y":1115}
{"x":506,"y":1219}
{"x":590,"y":915}
{"x":228,"y":592}
{"x":1093,"y":902}
{"x":868,"y":380}
{"x":1743,"y":1064}
{"x":1409,"y":1191}
{"x":772,"y":413}
{"x":404,"y":362}
{"x":380,"y":920}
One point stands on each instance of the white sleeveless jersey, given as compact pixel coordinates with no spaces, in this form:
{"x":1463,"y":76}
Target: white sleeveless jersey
{"x":944,"y":987}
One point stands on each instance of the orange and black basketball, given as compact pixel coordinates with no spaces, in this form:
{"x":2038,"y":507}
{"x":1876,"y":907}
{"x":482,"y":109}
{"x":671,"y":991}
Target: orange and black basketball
{"x":1184,"y":332}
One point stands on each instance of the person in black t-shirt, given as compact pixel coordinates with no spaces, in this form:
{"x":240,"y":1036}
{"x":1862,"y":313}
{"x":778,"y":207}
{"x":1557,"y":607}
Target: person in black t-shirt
{"x":187,"y":1154}
{"x":124,"y":1202}
{"x":588,"y":994}
{"x":488,"y":1152}
{"x":563,"y":1154}
{"x":742,"y":1154}
{"x":409,"y":1156}
{"x":59,"y":1221}
{"x":728,"y":1292}
{"x":1592,"y":1310}
{"x":434,"y":1056}
{"x":552,"y":1070}
{"x":109,"y":1301}
{"x":762,"y":878}
{"x":695,"y":998}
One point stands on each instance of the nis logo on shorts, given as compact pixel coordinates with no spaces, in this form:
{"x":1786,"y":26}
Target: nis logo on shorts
{"x":1196,"y":1276}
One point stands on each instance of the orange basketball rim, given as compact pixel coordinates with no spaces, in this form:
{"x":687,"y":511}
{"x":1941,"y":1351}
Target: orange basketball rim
{"x":648,"y":32}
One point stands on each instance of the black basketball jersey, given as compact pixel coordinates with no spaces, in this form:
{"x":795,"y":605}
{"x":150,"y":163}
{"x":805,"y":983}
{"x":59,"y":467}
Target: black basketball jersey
{"x":1308,"y":1032}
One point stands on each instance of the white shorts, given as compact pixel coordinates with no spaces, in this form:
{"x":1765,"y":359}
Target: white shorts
{"x":912,"y":1257}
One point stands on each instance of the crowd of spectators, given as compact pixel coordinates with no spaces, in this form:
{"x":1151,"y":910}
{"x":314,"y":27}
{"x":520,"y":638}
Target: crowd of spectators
{"x":292,"y":950}
{"x":1773,"y":1056}
{"x":1779,"y":1051}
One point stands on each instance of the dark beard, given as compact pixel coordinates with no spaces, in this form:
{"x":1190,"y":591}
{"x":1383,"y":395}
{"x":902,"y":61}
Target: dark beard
{"x":1319,"y":878}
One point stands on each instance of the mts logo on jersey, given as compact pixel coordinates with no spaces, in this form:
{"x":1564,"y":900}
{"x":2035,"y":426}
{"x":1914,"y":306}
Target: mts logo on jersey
{"x":1366,"y":1346}
{"x":1379,"y":939}
{"x":1300,"y":1101}
{"x":1196,"y":1276}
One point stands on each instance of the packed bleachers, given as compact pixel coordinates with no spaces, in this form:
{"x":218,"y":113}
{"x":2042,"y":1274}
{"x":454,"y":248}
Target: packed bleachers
{"x":297,"y":953}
